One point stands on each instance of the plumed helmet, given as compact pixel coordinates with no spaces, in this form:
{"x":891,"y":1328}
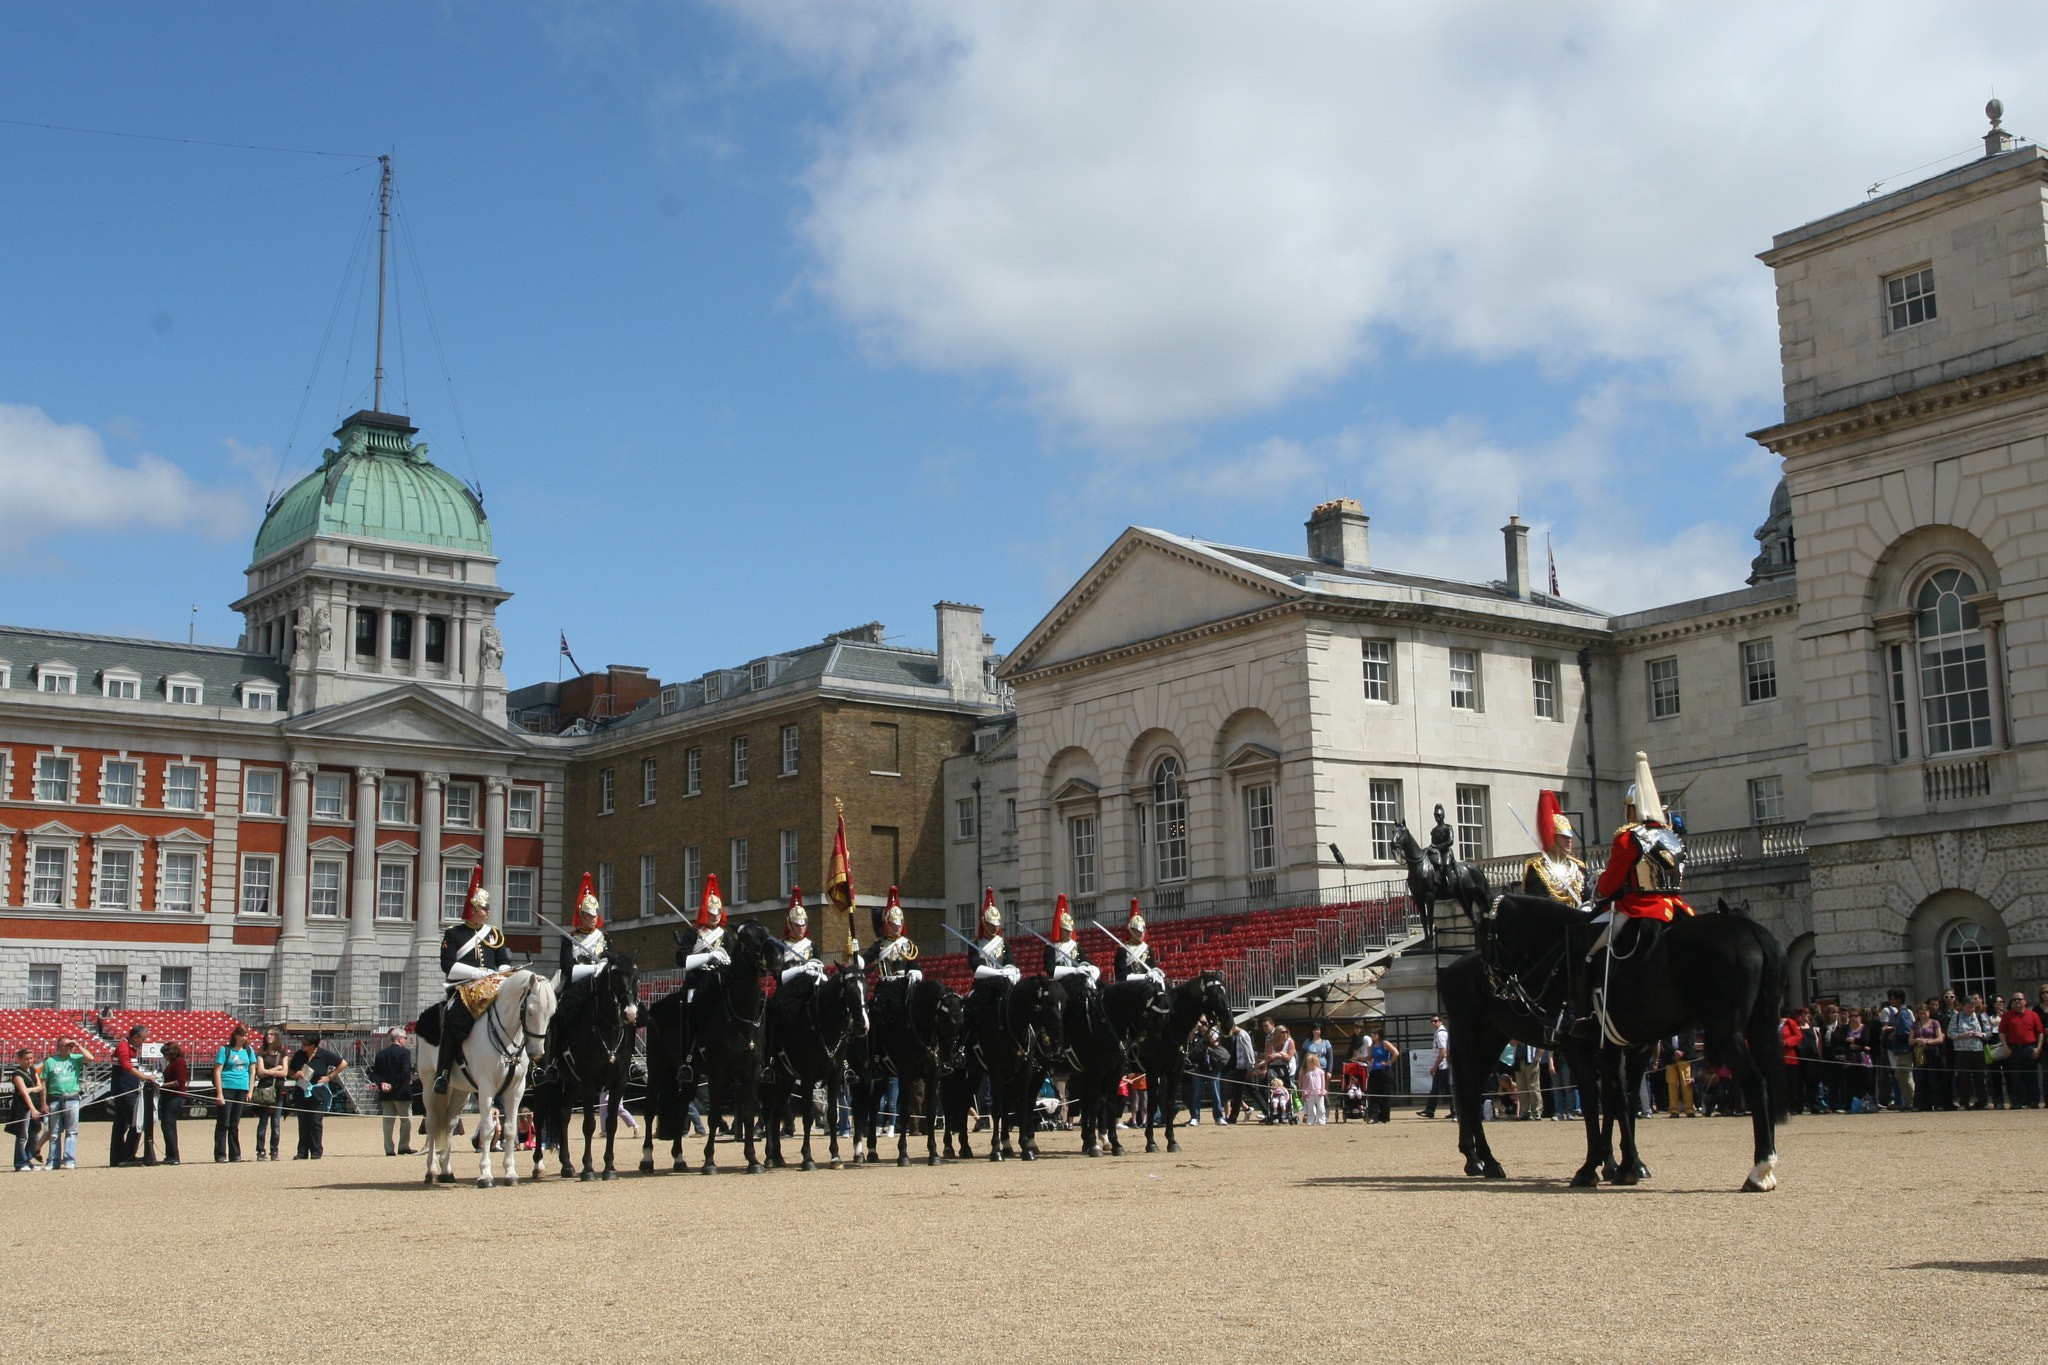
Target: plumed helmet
{"x":476,"y":906}
{"x":711,"y":909}
{"x":991,"y":917}
{"x":892,"y":916}
{"x":1134,"y":927}
{"x":587,"y":907}
{"x":1551,"y":825}
{"x":1643,"y":796}
{"x":796,"y":923}
{"x":1062,"y":920}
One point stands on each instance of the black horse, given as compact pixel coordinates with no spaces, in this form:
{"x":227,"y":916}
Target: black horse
{"x":1098,"y":1055}
{"x":589,"y":1053}
{"x":1163,"y":1049}
{"x":1012,"y":1043}
{"x":812,"y":1026}
{"x":915,"y":1029}
{"x":716,"y":1035}
{"x":1427,"y":884}
{"x":1721,"y":972}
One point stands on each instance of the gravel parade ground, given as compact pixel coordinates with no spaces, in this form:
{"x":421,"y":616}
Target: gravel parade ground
{"x":1914,"y":1236}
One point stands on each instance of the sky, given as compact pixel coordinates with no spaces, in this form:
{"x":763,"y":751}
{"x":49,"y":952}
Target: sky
{"x":760,"y":321}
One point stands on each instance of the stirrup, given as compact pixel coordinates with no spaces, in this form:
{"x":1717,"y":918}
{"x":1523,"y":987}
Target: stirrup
{"x":440,"y":1083}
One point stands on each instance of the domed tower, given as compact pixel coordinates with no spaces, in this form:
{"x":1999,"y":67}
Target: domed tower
{"x":375,"y":570}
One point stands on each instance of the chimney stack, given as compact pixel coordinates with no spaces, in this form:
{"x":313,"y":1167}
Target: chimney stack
{"x":1337,"y":534}
{"x":1517,"y":537}
{"x":961,"y":650}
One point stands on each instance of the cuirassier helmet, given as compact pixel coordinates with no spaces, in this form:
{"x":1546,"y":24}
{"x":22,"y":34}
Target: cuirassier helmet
{"x":587,"y":907}
{"x":796,"y":924}
{"x":1643,"y":802}
{"x":1134,"y":927}
{"x":1062,"y":920}
{"x":991,"y":917}
{"x":1551,"y":827}
{"x":892,"y":916}
{"x":476,"y":907}
{"x":711,"y":910}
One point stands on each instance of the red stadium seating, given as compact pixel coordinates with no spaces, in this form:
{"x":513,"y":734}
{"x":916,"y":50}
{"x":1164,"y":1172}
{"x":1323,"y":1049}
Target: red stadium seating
{"x":39,"y":1029}
{"x":199,"y":1032}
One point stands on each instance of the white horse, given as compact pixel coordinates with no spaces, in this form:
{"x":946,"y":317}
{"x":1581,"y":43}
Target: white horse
{"x":501,"y":1047}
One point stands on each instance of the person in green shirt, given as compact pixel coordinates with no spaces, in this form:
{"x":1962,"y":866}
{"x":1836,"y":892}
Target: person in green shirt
{"x":64,"y":1076}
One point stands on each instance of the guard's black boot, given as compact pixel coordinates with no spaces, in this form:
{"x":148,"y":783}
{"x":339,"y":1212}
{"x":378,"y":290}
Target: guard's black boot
{"x":451,"y":1052}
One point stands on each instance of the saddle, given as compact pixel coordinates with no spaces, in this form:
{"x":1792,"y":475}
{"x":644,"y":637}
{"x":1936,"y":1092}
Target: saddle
{"x":477,"y":995}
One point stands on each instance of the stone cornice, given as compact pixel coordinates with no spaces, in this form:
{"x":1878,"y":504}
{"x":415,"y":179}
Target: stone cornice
{"x":1971,"y":394}
{"x":1685,"y":627}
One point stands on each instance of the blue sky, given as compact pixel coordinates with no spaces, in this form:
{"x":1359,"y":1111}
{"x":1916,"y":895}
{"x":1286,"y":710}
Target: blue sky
{"x":768,"y":320}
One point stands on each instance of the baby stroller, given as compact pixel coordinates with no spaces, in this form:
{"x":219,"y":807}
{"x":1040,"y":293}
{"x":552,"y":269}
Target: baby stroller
{"x":1052,"y":1111}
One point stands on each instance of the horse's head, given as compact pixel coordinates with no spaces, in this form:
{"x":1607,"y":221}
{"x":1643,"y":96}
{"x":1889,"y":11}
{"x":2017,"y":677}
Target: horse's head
{"x":1043,"y":1015}
{"x":949,"y":1014}
{"x":536,"y":1012}
{"x":851,"y":990}
{"x":757,"y":950}
{"x":622,"y":986}
{"x":1215,"y":999}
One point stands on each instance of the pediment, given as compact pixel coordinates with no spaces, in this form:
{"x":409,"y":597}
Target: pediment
{"x":1146,"y":587}
{"x":55,"y":829}
{"x":1248,"y":756}
{"x":397,"y":848}
{"x":407,"y":715}
{"x":118,"y":834}
{"x":1075,"y":790}
{"x":331,"y":845}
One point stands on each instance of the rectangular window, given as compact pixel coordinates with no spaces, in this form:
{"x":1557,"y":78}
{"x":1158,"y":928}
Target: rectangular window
{"x":757,"y":675}
{"x":121,"y":689}
{"x":53,"y":778}
{"x":117,"y":879}
{"x":607,"y":790}
{"x":886,"y":742}
{"x":42,"y":986}
{"x":366,"y":633}
{"x":181,"y":787}
{"x":459,"y":801}
{"x":174,"y":989}
{"x":390,"y":999}
{"x":252,"y":988}
{"x":1900,"y":728}
{"x":1465,"y":679}
{"x":394,"y":801}
{"x":693,"y":772}
{"x":1081,"y":839}
{"x":454,"y":888}
{"x":322,"y":997}
{"x":1543,"y":682}
{"x":1472,"y":839}
{"x":259,"y":791}
{"x":110,"y":988}
{"x":791,"y":870}
{"x":1170,"y":832}
{"x":1955,"y":695}
{"x":184,"y":694}
{"x":963,"y":817}
{"x":117,"y":784}
{"x":1909,"y":298}
{"x":519,"y":894}
{"x":739,"y":760}
{"x":1009,"y":815}
{"x":1759,"y":672}
{"x":401,"y":635}
{"x":648,"y":904}
{"x":394,"y":890}
{"x":179,"y":884}
{"x":1258,"y":829}
{"x":256,"y":885}
{"x":522,"y":812}
{"x":1385,"y":800}
{"x":50,"y":877}
{"x":330,"y":796}
{"x":604,"y":889}
{"x":1379,"y":669}
{"x":1663,"y":676}
{"x":648,"y":781}
{"x":790,"y":750}
{"x":693,"y":878}
{"x":738,"y":861}
{"x":437,"y":640}
{"x":56,"y":682}
{"x":1766,"y":800}
{"x":256,"y":699}
{"x":324,"y":883}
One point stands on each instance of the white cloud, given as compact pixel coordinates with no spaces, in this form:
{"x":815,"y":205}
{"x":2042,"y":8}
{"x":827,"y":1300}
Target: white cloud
{"x":57,"y":478}
{"x":1155,"y":215}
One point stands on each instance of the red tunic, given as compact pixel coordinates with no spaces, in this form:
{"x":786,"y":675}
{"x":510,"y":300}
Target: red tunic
{"x":1621,"y":873}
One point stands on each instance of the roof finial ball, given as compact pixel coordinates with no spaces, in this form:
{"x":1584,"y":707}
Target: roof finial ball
{"x":1997,"y":140}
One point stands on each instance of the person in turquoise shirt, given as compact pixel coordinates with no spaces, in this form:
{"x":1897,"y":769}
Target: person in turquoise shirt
{"x":64,"y":1075}
{"x":231,"y":1067}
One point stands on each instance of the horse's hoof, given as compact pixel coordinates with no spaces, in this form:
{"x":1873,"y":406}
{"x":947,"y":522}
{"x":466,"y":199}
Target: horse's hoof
{"x":753,"y":1168}
{"x":681,"y":1168}
{"x":1611,"y":1173}
{"x":809,"y":1165}
{"x":995,"y":1154}
{"x":1473,"y":1166}
{"x":1753,"y":1186}
{"x":935,"y":1161}
{"x":483,"y":1182}
{"x":1642,"y":1171}
{"x":1624,"y":1178}
{"x":709,"y":1169}
{"x":1150,"y":1145}
{"x":647,"y":1167}
{"x":905,"y":1161}
{"x":1091,"y":1149}
{"x":446,"y":1178}
{"x":429,"y":1179}
{"x":587,"y":1176}
{"x":1029,"y":1155}
{"x":1494,"y":1171}
{"x":1172,"y":1146}
{"x":1586,"y":1180}
{"x":610,"y":1174}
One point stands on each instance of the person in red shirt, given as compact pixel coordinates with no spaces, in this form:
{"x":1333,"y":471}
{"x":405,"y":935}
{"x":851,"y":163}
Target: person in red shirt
{"x":1790,"y":1033}
{"x":130,"y":1095}
{"x":2020,"y":1027}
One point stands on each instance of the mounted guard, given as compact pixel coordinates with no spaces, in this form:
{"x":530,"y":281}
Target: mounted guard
{"x":796,"y":941}
{"x":703,"y":948}
{"x":895,"y":950}
{"x":1063,"y":957}
{"x":1134,"y":957}
{"x":994,"y":973}
{"x":1645,"y":868}
{"x":585,"y":950}
{"x":1554,"y":872}
{"x":474,"y":964}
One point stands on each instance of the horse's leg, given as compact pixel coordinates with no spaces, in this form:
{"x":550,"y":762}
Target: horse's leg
{"x":589,"y":1130}
{"x":611,"y":1123}
{"x":810,"y":1120}
{"x":748,"y":1117}
{"x":436,"y":1106}
{"x":713,"y":1089}
{"x":1628,"y":1083}
{"x":1469,"y":1068}
{"x":487,"y":1133}
{"x":1170,"y":1086}
{"x":1756,"y":1091}
{"x":1591,"y":1106}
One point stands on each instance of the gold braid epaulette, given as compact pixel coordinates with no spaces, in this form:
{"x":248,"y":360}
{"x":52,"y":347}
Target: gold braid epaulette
{"x":1540,"y":865}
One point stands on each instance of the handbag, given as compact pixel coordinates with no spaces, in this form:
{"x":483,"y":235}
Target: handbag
{"x":1997,"y":1052}
{"x":264,"y":1094}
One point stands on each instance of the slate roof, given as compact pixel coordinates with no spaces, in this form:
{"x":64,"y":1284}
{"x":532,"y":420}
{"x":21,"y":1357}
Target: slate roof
{"x":219,"y":670}
{"x":845,"y":661}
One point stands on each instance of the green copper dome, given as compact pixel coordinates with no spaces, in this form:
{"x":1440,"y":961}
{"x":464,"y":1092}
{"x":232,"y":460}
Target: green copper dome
{"x":379,"y":485}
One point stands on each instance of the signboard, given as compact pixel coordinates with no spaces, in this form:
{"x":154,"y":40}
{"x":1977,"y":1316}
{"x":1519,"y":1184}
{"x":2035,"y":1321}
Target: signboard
{"x":1421,"y":1061}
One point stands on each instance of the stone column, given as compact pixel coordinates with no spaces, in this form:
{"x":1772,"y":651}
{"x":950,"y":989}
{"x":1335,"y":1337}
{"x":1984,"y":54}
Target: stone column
{"x":362,"y":901}
{"x":298,"y":809}
{"x":426,"y":943}
{"x":494,"y":844}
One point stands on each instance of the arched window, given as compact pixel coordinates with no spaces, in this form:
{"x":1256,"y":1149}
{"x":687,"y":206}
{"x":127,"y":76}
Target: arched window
{"x":1170,"y":820}
{"x":1968,"y":964}
{"x":1955,"y":677}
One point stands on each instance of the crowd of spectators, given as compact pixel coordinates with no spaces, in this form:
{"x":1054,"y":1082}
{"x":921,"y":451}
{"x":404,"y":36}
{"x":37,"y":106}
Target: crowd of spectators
{"x":1946,"y":1053}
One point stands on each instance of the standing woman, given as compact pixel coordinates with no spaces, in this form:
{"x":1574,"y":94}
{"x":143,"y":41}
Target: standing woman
{"x":267,"y":1095}
{"x":1928,"y":1036}
{"x":177,"y":1079}
{"x":231,"y":1067}
{"x":1379,"y":1080}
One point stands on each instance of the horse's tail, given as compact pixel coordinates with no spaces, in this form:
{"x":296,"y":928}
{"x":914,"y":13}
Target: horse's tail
{"x":1766,"y":1045}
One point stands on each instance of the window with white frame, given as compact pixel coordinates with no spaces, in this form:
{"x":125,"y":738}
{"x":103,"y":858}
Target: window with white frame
{"x":458,"y":800}
{"x":649,"y":905}
{"x":390,"y":999}
{"x":737,"y":860}
{"x":53,"y":777}
{"x":330,"y":796}
{"x":791,"y":750}
{"x":49,"y":875}
{"x":1472,"y":824}
{"x":1766,"y":800}
{"x":177,"y":887}
{"x":258,"y":698}
{"x":1955,"y":670}
{"x":649,"y":781}
{"x":1465,"y":679}
{"x":1081,"y":844}
{"x":455,"y":888}
{"x":1909,"y":298}
{"x":963,"y":817}
{"x":320,"y":1000}
{"x":693,"y":878}
{"x":1260,"y":849}
{"x":1759,"y":672}
{"x":739,"y":760}
{"x":260,"y":791}
{"x":6,"y":675}
{"x":693,"y":772}
{"x":174,"y":989}
{"x":671,"y":698}
{"x":183,"y":689}
{"x":1969,"y":961}
{"x":1169,"y":820}
{"x":181,"y":786}
{"x":394,"y":801}
{"x":110,"y":988}
{"x":607,"y":790}
{"x":115,"y":878}
{"x":394,"y":890}
{"x":757,"y":675}
{"x":61,"y":678}
{"x":604,"y":889}
{"x":1543,"y":682}
{"x":121,"y":684}
{"x":43,"y":984}
{"x":1663,"y":680}
{"x":792,"y":869}
{"x":520,"y":895}
{"x":117,"y":783}
{"x":324,"y":889}
{"x":252,"y":988}
{"x":1379,"y":669}
{"x":258,"y":883}
{"x":522,"y":811}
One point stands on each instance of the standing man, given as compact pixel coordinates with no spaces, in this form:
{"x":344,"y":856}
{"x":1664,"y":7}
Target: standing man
{"x":1439,"y":1069}
{"x":2020,"y":1027}
{"x":313,"y":1069}
{"x":1528,"y":1082}
{"x":1241,"y":1058}
{"x":129,"y":1095}
{"x":64,"y":1074}
{"x":30,"y":1109}
{"x":391,"y":1074}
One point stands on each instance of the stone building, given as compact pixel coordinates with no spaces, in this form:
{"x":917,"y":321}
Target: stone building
{"x":741,"y":774}
{"x":982,"y":822}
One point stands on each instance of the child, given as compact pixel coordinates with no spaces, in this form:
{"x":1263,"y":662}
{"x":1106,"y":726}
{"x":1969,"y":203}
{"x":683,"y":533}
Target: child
{"x":1314,"y":1085}
{"x":1276,"y":1100}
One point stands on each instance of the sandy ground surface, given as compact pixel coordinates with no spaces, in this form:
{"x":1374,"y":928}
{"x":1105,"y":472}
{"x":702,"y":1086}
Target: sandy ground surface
{"x":1252,"y":1242}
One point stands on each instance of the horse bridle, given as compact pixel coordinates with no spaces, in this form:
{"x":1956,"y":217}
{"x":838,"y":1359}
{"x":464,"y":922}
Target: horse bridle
{"x":508,"y":1049}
